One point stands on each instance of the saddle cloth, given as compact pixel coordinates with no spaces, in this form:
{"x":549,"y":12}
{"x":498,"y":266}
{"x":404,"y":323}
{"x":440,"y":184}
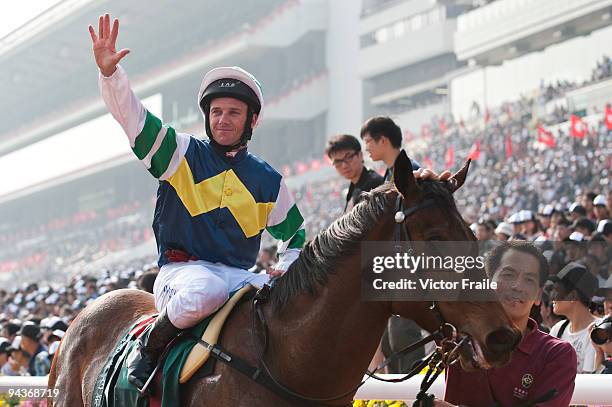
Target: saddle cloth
{"x":184,"y":358}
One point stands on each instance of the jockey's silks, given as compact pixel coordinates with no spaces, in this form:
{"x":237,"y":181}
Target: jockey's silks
{"x":213,"y":206}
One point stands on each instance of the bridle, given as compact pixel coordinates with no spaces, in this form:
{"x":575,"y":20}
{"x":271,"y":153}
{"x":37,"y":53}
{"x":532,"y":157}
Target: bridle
{"x":445,"y":336}
{"x":449,"y":343}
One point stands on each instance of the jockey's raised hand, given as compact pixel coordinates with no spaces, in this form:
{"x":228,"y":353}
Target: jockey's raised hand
{"x":104,"y":42}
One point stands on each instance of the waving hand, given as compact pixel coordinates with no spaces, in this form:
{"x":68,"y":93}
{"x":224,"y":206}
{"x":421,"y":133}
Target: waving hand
{"x":104,"y":42}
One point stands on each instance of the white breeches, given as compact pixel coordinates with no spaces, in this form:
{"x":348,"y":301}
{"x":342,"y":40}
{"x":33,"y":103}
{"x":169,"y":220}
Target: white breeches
{"x":193,"y":290}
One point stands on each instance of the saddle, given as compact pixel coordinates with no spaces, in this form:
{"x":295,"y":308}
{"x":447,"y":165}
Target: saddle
{"x":184,"y":357}
{"x":200,"y":354}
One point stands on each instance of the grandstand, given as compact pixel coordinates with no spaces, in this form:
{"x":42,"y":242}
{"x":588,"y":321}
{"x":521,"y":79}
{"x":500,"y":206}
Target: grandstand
{"x":62,"y":91}
{"x":47,"y":67}
{"x":477,"y":54}
{"x":325,"y":67}
{"x":523,"y":88}
{"x":402,"y":74}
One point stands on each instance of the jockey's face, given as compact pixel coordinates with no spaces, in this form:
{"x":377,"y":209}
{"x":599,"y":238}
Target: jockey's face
{"x":227,"y":119}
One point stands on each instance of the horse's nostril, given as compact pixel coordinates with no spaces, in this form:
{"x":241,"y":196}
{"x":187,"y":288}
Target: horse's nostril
{"x":503,"y":340}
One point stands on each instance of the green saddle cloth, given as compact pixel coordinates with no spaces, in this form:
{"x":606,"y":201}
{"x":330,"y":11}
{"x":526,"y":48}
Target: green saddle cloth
{"x":112,"y":388}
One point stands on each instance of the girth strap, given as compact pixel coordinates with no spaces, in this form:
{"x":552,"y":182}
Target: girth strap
{"x":254,"y":373}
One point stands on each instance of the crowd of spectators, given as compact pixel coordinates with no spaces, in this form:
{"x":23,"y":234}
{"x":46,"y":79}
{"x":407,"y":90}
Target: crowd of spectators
{"x":34,"y":317}
{"x":603,"y":70}
{"x":75,"y":240}
{"x":511,"y":170}
{"x":557,"y":196}
{"x":526,"y":183}
{"x":558,"y":88}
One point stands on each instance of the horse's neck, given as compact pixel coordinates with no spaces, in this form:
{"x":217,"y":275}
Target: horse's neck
{"x":323,"y":344}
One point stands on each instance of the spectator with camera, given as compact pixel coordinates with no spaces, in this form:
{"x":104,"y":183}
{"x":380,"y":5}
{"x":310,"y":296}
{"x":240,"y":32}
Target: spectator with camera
{"x":601,"y":334}
{"x":601,"y":337}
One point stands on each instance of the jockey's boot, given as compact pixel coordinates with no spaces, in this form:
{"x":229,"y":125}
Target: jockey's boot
{"x":142,"y":362}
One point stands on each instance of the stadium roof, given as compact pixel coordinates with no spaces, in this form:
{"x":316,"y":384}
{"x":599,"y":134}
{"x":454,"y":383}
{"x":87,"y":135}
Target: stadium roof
{"x":47,"y":72}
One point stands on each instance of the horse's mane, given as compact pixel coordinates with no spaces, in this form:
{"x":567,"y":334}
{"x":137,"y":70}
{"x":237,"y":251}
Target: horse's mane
{"x":320,"y":256}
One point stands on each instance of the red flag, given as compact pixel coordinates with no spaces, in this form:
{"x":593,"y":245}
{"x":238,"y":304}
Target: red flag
{"x":577,"y":127}
{"x":450,"y":158}
{"x":508,"y":143}
{"x":475,"y":151}
{"x":487,"y":116}
{"x":315,"y":165}
{"x":546,"y":137}
{"x":608,"y":118}
{"x":427,"y":161}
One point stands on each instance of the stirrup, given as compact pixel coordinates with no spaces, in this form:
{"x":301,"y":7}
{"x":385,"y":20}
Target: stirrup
{"x":160,"y":360}
{"x":144,"y":391}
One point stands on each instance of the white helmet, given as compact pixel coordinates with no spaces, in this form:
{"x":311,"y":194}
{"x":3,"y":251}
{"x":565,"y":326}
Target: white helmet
{"x":214,"y":85}
{"x":236,"y":83}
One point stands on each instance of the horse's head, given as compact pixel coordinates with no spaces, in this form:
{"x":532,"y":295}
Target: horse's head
{"x":491,"y":333}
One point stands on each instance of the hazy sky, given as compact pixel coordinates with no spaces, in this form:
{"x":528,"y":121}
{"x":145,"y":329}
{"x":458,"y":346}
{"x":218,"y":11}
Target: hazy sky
{"x":15,"y":14}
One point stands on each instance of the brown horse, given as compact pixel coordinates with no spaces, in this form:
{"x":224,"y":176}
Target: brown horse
{"x":322,"y":335}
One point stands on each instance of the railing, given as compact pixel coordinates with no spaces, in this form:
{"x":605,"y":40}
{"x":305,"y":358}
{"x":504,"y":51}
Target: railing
{"x":590,"y":389}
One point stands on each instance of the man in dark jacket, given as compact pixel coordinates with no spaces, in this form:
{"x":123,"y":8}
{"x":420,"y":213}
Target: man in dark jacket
{"x":345,"y":152}
{"x":383,"y":141}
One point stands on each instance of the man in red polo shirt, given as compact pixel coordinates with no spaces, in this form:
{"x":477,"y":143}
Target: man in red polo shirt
{"x":541,"y":364}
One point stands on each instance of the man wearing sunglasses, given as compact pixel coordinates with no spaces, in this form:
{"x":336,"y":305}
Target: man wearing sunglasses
{"x":345,"y":152}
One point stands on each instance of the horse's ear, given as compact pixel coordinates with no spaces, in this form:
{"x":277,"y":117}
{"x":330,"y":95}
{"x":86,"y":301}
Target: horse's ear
{"x":403,"y":178}
{"x":458,"y":178}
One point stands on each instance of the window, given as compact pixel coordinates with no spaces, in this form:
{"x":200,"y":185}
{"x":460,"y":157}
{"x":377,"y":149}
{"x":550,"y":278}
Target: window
{"x":416,"y":22}
{"x":402,"y":27}
{"x":382,"y":35}
{"x":399,"y":28}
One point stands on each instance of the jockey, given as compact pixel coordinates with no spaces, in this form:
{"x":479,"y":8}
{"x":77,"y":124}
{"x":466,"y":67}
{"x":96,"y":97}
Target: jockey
{"x":214,"y":199}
